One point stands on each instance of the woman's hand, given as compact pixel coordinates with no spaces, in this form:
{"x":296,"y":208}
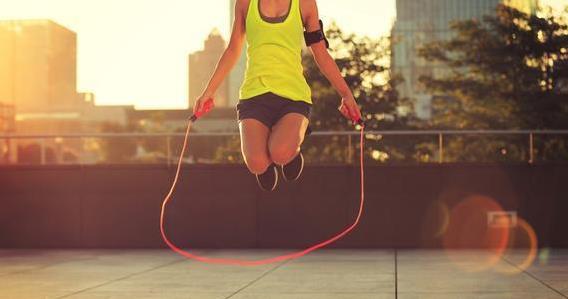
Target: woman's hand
{"x":349,"y":108}
{"x":203,"y":105}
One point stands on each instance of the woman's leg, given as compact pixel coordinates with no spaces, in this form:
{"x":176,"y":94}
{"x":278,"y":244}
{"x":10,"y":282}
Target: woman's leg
{"x":254,"y":140}
{"x":286,"y":138}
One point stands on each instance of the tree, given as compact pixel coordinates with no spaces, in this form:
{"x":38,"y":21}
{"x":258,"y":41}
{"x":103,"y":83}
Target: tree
{"x":118,"y":150}
{"x":364,"y":63}
{"x":505,"y":72}
{"x":508,"y":71}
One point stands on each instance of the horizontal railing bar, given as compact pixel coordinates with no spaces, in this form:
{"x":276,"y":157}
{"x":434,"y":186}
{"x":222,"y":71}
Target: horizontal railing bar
{"x":317,"y":133}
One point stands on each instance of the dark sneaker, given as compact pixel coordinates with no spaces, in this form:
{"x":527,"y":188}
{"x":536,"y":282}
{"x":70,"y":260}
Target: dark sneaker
{"x":269,"y":179}
{"x":293,"y":170}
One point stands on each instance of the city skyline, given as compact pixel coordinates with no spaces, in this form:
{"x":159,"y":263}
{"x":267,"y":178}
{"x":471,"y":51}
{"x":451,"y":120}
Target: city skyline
{"x":142,"y":59}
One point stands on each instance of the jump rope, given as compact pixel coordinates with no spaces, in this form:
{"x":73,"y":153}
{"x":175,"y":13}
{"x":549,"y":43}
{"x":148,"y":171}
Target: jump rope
{"x":241,"y":262}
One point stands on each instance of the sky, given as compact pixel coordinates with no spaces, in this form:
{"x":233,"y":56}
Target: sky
{"x":135,"y":52}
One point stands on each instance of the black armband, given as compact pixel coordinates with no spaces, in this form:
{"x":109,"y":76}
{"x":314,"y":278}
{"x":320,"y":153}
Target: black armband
{"x":316,"y":36}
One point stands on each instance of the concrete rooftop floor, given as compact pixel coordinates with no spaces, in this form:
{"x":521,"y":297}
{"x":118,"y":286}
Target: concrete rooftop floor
{"x":349,"y":274}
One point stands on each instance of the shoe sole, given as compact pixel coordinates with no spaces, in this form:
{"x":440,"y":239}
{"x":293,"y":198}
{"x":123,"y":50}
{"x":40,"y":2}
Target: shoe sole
{"x":299,"y":172}
{"x":275,"y":181}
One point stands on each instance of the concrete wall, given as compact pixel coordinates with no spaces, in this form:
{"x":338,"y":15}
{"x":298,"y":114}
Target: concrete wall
{"x":221,"y":206}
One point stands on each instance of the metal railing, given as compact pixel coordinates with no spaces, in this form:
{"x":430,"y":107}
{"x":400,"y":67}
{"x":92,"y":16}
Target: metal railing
{"x":440,"y":135}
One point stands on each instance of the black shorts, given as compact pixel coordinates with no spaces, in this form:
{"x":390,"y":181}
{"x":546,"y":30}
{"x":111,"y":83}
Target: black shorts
{"x":268,"y":108}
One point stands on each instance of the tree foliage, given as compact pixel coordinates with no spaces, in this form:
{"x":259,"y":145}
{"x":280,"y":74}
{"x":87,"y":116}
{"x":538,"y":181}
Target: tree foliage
{"x":364,"y":63}
{"x":508,"y":71}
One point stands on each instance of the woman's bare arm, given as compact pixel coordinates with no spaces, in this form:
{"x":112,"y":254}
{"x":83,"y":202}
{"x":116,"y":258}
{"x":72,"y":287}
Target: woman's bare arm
{"x":326,"y":63}
{"x":228,"y":60}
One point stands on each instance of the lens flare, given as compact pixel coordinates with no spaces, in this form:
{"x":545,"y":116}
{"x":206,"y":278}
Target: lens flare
{"x":522,"y":248}
{"x":468,"y":229}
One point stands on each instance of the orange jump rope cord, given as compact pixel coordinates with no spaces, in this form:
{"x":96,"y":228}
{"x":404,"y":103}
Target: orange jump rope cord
{"x":239,"y":262}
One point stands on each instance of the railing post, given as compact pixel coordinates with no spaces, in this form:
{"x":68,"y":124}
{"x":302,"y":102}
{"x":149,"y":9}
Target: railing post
{"x":82,"y":142}
{"x":169,"y":150}
{"x":42,"y":151}
{"x":13,"y":151}
{"x":531,"y":148}
{"x":440,"y":148}
{"x":350,"y":149}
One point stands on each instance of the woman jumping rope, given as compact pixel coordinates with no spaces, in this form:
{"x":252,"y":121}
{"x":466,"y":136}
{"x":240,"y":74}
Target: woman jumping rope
{"x":275,"y":99}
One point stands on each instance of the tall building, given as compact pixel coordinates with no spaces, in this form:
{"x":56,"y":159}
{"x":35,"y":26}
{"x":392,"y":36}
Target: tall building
{"x":38,"y":62}
{"x":202,"y":65}
{"x":237,"y":75}
{"x":423,"y":21}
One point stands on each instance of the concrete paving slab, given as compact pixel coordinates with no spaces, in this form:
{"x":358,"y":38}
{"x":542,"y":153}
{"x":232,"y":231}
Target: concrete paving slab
{"x":314,"y":296}
{"x":478,"y":295}
{"x":464,"y":274}
{"x":550,"y":267}
{"x":329,"y":274}
{"x":334,"y":274}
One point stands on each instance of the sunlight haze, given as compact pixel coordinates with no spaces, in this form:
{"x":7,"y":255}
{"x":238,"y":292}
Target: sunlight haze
{"x":135,"y":51}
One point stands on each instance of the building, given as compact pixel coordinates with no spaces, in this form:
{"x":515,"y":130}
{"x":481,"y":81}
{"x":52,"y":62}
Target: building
{"x":38,"y":71}
{"x":38,"y":66}
{"x":94,"y":115}
{"x":237,"y":75}
{"x":423,"y":21}
{"x":202,"y":65}
{"x":38,"y":76}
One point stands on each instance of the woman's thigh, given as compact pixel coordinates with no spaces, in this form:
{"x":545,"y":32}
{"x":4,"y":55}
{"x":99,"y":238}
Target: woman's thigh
{"x":254,"y":145}
{"x":286,"y":137}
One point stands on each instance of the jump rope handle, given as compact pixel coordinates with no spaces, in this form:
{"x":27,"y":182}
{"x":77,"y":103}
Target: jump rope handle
{"x":207,"y":106}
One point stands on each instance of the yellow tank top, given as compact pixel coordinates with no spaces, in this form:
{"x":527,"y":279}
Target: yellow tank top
{"x":274,"y":56}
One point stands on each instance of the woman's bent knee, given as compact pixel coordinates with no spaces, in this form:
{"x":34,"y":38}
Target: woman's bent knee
{"x":282,"y":155}
{"x":257,"y":165}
